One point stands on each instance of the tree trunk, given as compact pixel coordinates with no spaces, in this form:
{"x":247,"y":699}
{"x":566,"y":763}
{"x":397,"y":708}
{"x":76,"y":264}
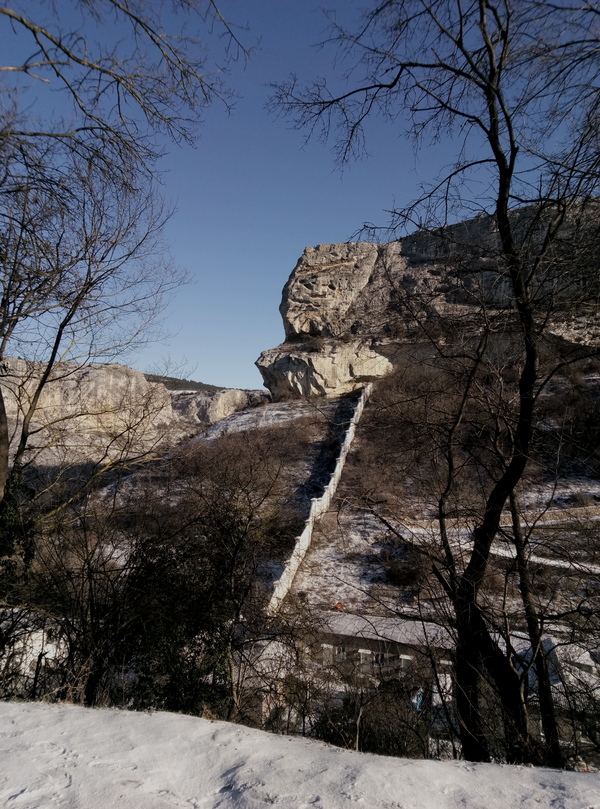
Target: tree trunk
{"x":4,"y":446}
{"x":554,"y":756}
{"x":472,"y":738}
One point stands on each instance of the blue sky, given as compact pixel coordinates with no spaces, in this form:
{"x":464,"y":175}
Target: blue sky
{"x":252,"y":195}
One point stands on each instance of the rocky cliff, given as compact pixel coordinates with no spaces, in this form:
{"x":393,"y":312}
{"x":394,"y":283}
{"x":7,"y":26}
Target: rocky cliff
{"x":343,"y":312}
{"x":347,"y":308}
{"x":97,"y":412}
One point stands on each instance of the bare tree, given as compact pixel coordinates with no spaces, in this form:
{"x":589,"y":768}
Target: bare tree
{"x":124,"y":69}
{"x":514,"y":84}
{"x":79,"y":218}
{"x":82,"y":278}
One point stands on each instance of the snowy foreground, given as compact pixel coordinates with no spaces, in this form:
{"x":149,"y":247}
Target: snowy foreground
{"x":61,"y":755}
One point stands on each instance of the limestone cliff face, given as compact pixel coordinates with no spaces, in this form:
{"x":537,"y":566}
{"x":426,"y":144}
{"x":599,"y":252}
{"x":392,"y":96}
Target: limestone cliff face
{"x":330,"y":369}
{"x":101,"y":412}
{"x":342,"y":310}
{"x":198,"y":408}
{"x":346,"y":308}
{"x":91,"y":412}
{"x":330,"y":346}
{"x":327,"y":282}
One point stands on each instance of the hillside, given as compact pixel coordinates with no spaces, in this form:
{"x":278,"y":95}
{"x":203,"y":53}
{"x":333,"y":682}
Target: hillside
{"x":332,"y":560}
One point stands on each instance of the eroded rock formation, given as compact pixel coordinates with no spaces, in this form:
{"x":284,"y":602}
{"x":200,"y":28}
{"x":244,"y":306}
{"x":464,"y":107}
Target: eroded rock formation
{"x":341,"y":315}
{"x":332,"y":368}
{"x":204,"y":408}
{"x":100,"y":412}
{"x":348,"y":308}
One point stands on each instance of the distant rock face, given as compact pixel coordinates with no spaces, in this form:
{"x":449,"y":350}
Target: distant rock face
{"x":90,"y":412}
{"x":100,"y":412}
{"x":201,"y":408}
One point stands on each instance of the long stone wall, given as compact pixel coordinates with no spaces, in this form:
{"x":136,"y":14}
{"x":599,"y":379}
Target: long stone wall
{"x":319,"y":506}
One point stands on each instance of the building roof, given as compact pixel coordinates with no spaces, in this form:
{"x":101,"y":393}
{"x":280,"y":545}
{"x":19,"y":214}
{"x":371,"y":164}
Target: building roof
{"x":397,"y":630}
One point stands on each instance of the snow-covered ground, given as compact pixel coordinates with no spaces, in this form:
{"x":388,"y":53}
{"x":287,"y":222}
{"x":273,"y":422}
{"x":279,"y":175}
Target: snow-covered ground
{"x":343,"y":565}
{"x":62,"y":755}
{"x":272,"y":414}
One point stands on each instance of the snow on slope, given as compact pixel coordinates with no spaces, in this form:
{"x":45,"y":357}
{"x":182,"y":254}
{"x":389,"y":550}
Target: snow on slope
{"x":62,"y":755}
{"x":271,"y":414}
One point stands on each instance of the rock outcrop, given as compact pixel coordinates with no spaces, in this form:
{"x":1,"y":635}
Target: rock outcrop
{"x":331,"y":369}
{"x":347,"y":308}
{"x":92,"y":412}
{"x":342,"y":313}
{"x":100,"y":412}
{"x":202,"y":409}
{"x":323,"y":290}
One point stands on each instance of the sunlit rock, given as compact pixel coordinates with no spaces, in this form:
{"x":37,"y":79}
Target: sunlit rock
{"x":99,"y":413}
{"x":345,"y":306}
{"x":210,"y":407}
{"x":92,"y":412}
{"x":335,"y":367}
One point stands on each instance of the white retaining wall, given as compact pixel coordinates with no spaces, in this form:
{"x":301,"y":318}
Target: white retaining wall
{"x":319,"y":505}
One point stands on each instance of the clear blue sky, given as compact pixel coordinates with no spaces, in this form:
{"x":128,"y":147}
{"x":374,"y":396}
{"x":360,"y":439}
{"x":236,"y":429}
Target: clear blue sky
{"x":252,"y":195}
